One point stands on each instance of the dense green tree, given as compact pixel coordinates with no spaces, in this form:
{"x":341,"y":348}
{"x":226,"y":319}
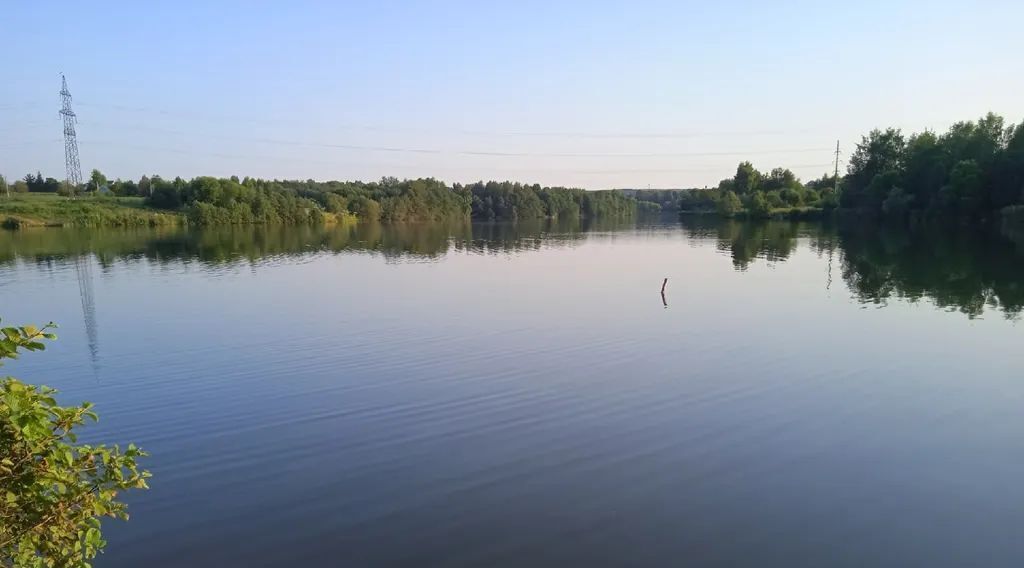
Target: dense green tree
{"x":729,"y":204}
{"x":209,"y":201}
{"x":972,"y":170}
{"x":559,"y":204}
{"x":925,"y":170}
{"x":126,"y":188}
{"x":701,"y":200}
{"x":792,"y":196}
{"x":826,"y":181}
{"x":758,"y":205}
{"x":607,"y":204}
{"x":980,"y":141}
{"x":1008,"y":171}
{"x":96,"y":181}
{"x":879,"y":189}
{"x":897,"y":203}
{"x":747,"y":179}
{"x":164,"y":195}
{"x":877,"y":153}
{"x":38,"y":184}
{"x":365,"y":208}
{"x":964,"y":192}
{"x":779,"y":179}
{"x":31,"y":182}
{"x":829,"y":199}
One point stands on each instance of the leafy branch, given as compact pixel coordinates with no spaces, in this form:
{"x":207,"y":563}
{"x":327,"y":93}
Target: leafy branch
{"x":53,"y":492}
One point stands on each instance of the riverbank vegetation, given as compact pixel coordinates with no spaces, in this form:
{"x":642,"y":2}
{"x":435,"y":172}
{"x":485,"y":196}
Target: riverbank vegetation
{"x":23,"y":210}
{"x":206,"y":201}
{"x":972,"y":172}
{"x":755,"y":194}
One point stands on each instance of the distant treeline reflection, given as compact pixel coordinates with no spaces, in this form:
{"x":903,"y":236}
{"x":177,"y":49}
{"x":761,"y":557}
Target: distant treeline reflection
{"x":965,"y":269}
{"x":219,"y":245}
{"x":956,"y":267}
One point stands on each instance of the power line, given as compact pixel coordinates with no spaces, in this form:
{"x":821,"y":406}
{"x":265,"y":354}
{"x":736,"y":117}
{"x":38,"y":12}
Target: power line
{"x":27,"y":142}
{"x":536,"y":154}
{"x":472,"y":132}
{"x":264,"y":158}
{"x":26,"y":125}
{"x":463,"y":152}
{"x":20,"y":104}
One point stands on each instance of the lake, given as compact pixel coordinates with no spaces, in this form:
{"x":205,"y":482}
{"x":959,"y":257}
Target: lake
{"x":523,"y":395}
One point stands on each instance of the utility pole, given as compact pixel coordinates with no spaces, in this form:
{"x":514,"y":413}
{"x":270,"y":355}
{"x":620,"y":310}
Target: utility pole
{"x":71,"y":165}
{"x":836,"y":178}
{"x":835,"y":188}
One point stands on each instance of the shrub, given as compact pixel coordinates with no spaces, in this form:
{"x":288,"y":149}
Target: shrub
{"x":729,"y":204}
{"x":53,"y":492}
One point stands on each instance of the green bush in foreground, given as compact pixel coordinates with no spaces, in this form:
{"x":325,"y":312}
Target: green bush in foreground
{"x":52,"y":491}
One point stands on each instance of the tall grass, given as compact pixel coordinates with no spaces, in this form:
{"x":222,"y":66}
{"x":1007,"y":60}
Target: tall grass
{"x":47,"y":210}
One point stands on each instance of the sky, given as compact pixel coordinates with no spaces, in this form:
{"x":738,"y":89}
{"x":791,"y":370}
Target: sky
{"x":579,"y":93}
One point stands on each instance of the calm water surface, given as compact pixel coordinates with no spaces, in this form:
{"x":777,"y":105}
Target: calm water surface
{"x":496,"y":395}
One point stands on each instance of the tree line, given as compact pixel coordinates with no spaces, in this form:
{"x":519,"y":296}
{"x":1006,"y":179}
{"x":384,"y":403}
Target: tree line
{"x":211,"y":201}
{"x":750,"y":192}
{"x":36,"y":183}
{"x":972,"y":171}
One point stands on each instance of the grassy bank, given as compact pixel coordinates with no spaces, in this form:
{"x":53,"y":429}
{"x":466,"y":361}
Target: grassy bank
{"x":50,"y":210}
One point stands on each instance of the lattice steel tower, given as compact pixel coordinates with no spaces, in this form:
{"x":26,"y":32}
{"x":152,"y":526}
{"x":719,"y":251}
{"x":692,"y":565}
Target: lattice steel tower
{"x":74,"y":169}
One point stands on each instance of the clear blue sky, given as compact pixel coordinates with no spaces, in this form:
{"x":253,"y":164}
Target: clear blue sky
{"x":667,"y":94}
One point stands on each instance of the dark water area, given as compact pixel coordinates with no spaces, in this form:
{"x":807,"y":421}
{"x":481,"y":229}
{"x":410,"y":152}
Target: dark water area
{"x":523,"y":395}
